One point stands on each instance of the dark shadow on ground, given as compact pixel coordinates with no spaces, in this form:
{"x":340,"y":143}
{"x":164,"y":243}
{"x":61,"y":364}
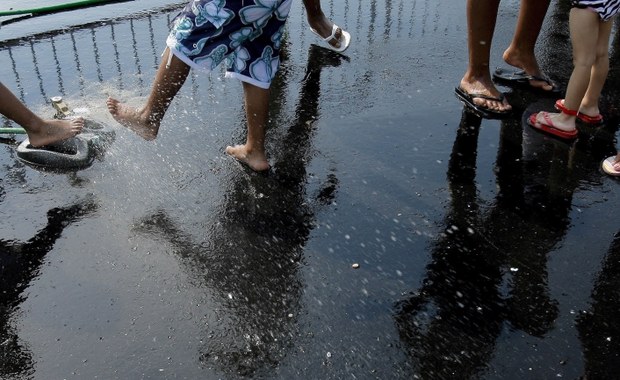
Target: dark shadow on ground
{"x":488,"y":268}
{"x":253,"y":251}
{"x":20,"y":263}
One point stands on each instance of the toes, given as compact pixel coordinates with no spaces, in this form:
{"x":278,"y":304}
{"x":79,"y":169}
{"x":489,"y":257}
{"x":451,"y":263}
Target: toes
{"x":338,"y":38}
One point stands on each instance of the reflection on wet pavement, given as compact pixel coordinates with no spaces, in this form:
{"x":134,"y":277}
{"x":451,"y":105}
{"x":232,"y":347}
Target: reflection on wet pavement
{"x":20,"y":263}
{"x":484,"y":249}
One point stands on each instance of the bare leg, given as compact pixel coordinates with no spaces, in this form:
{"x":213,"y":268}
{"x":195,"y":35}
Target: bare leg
{"x":590,"y":103}
{"x":584,"y":32}
{"x":145,"y":121}
{"x":252,"y":153}
{"x":320,"y":23}
{"x":481,"y":17}
{"x":40,"y":132}
{"x":520,"y":53}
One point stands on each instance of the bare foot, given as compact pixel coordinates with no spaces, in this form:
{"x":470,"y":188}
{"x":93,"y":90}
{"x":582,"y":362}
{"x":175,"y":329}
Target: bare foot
{"x":559,"y":121}
{"x":529,"y":64}
{"x":480,"y":86}
{"x":134,"y":119}
{"x":255,"y":160}
{"x":53,"y":131}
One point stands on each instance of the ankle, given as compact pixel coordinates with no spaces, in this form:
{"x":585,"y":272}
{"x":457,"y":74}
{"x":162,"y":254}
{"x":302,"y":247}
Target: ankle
{"x":316,"y":19}
{"x":516,"y":56}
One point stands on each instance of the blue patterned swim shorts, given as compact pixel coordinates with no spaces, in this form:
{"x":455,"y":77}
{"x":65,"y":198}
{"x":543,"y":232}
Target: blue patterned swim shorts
{"x":245,"y":33}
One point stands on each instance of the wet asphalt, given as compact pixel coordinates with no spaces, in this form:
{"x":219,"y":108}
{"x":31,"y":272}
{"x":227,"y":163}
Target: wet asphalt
{"x":484,"y":249}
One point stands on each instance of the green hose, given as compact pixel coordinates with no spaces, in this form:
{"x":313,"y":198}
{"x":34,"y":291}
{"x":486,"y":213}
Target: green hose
{"x":12,"y":131}
{"x":57,"y":8}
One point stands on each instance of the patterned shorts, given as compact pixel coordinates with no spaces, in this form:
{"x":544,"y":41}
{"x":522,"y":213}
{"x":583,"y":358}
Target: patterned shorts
{"x":245,"y":33}
{"x":606,"y":9}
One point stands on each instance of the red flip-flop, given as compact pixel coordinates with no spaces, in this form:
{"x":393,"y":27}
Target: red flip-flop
{"x":549,"y":128}
{"x":593,"y":120}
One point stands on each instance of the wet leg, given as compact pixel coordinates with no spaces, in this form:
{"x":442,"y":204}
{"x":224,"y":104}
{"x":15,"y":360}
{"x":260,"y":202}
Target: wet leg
{"x":481,"y":17}
{"x":520,"y":53}
{"x":145,"y":121}
{"x":40,"y":131}
{"x":252,"y":153}
{"x":598,"y":75}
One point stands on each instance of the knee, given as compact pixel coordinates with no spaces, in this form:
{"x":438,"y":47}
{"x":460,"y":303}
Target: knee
{"x":602,"y":55}
{"x":584,"y":62}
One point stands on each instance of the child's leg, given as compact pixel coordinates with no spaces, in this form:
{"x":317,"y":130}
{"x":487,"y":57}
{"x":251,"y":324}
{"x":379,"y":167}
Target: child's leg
{"x":252,"y":152}
{"x":598,"y":75}
{"x":167,"y":83}
{"x":40,"y":132}
{"x":584,"y":32}
{"x":584,"y":28}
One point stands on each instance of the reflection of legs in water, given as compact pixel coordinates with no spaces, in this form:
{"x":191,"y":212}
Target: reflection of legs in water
{"x":451,"y":324}
{"x":248,"y":245}
{"x":292,"y":160}
{"x":462,"y":164}
{"x":528,"y":220}
{"x":19,"y":264}
{"x":296,"y":152}
{"x":598,"y":328}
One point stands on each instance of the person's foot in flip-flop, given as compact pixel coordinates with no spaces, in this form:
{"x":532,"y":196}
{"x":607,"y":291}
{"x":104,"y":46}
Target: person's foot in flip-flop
{"x":529,"y":65}
{"x":611,"y":165}
{"x":558,"y":124}
{"x":484,"y":95}
{"x":334,"y":37}
{"x":587,"y":113}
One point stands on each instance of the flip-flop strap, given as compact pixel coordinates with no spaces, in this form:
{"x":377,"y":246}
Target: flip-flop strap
{"x":333,"y":35}
{"x":548,"y":121}
{"x":559,"y":104}
{"x":487,"y":97}
{"x":590,"y":119}
{"x":543,"y":78}
{"x":520,"y":74}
